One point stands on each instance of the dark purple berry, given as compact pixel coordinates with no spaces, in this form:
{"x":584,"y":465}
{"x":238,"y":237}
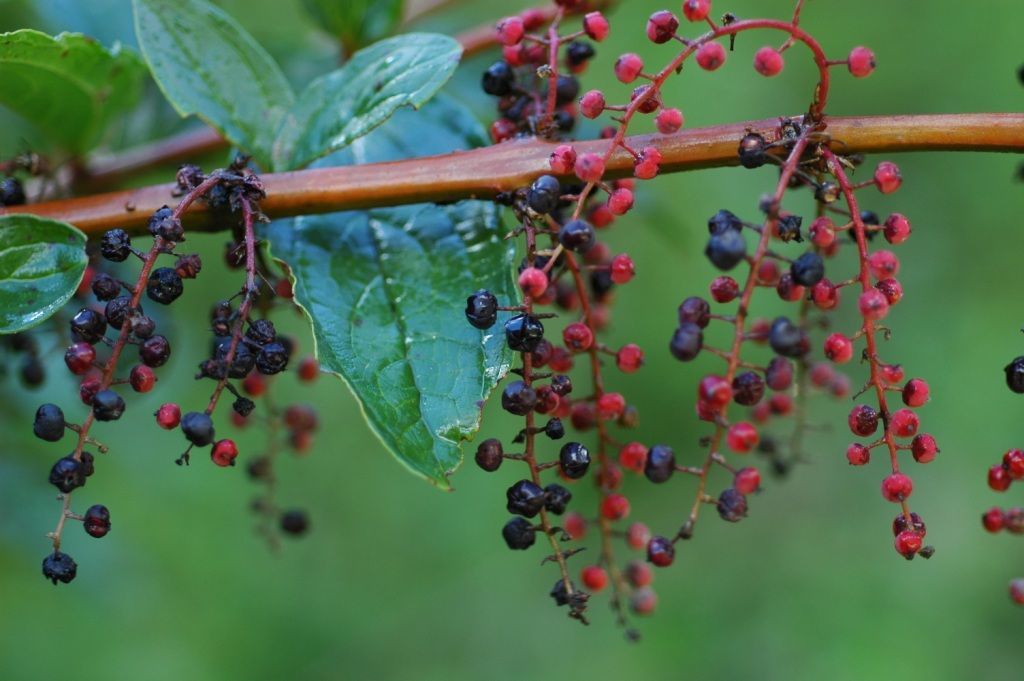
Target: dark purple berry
{"x":482,"y":309}
{"x":576,"y":235}
{"x":294,"y":522}
{"x":1015,"y":375}
{"x":525,"y":498}
{"x":261,"y":332}
{"x":519,"y":534}
{"x":554,"y":429}
{"x":574,"y":460}
{"x":695,"y":310}
{"x":272,"y":359}
{"x":49,"y":423}
{"x":747,"y":388}
{"x":115,"y":245}
{"x":726,"y":249}
{"x":105,"y":287}
{"x":788,"y":228}
{"x":88,"y":325}
{"x":163,"y":224}
{"x":523,"y":333}
{"x":556,"y":498}
{"x":67,"y":474}
{"x":724,"y":221}
{"x":732,"y":505}
{"x":686,"y":342}
{"x":198,"y":428}
{"x":164,"y":286}
{"x":97,"y":521}
{"x":544,"y":194}
{"x":787,"y":339}
{"x":107,"y":405}
{"x":660,"y":464}
{"x":59,"y":567}
{"x":808,"y":269}
{"x":489,"y":455}
{"x":11,"y":192}
{"x":752,"y":150}
{"x":155,"y":351}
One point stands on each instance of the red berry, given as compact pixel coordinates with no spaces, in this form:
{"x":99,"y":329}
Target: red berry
{"x":600,"y":216}
{"x":863,"y":420}
{"x":992,"y":519}
{"x":578,"y":337}
{"x":768,"y":273}
{"x":639,"y":574}
{"x":887,"y":177}
{"x":825,"y":295}
{"x":637,"y":536}
{"x":615,"y":507}
{"x":575,"y":525}
{"x":533,"y":282}
{"x":822,"y":375}
{"x":915,"y":392}
{"x":768,"y":61}
{"x":510,"y":30}
{"x":79,"y":357}
{"x":924,"y":448}
{"x":822,"y":232}
{"x":643,"y":601}
{"x":1017,"y":591}
{"x":669,"y":121}
{"x":839,"y":348}
{"x":715,"y":390}
{"x":789,"y":290}
{"x":224,"y":453}
{"x":904,"y":423}
{"x":533,"y":18}
{"x":561,"y":361}
{"x":710,"y":56}
{"x":897,"y":229}
{"x":592,"y":104}
{"x":873,"y":305}
{"x":594,"y":577}
{"x":562,"y":159}
{"x":633,"y":456}
{"x":629,"y":358}
{"x":142,"y":378}
{"x":897,"y":487}
{"x":1013,"y":462}
{"x":779,"y":374}
{"x":589,"y":167}
{"x":840,"y":386}
{"x":861,"y":62}
{"x":661,"y":26}
{"x":583,"y":415}
{"x":168,"y":416}
{"x":660,"y":551}
{"x":610,"y":406}
{"x":858,"y":454}
{"x":742,"y":437}
{"x":696,"y":10}
{"x":891,"y":289}
{"x":620,"y":201}
{"x":595,"y":26}
{"x":999,"y":478}
{"x":747,"y":480}
{"x":503,"y":129}
{"x":254,"y":384}
{"x":893,"y":373}
{"x":883,"y":264}
{"x":908,"y":543}
{"x":609,"y":477}
{"x":647,"y":166}
{"x":622,"y":268}
{"x":309,"y":369}
{"x":780,"y":404}
{"x":628,"y":67}
{"x":88,"y":389}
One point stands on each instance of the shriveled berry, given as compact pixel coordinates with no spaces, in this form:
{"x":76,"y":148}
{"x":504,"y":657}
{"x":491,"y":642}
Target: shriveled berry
{"x":660,"y":464}
{"x":519,"y":534}
{"x":67,"y":474}
{"x":556,"y":498}
{"x":59,"y":567}
{"x":525,"y":499}
{"x":155,"y":351}
{"x":115,"y":245}
{"x":163,"y":224}
{"x":49,"y":423}
{"x":164,"y":286}
{"x":272,"y":359}
{"x":96,"y":521}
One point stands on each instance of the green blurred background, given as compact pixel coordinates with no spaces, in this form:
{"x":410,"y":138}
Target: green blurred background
{"x":399,"y":581}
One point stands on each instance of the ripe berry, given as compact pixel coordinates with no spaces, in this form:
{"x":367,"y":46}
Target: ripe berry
{"x":726,"y":249}
{"x":142,"y":378}
{"x":858,"y":454}
{"x":574,"y":459}
{"x":710,"y":56}
{"x":498,"y":79}
{"x":224,"y":453}
{"x":873,"y":305}
{"x":904,"y":423}
{"x":686,"y":342}
{"x":510,"y":30}
{"x":164,"y":286}
{"x":660,"y":551}
{"x":49,"y":423}
{"x":294,"y":522}
{"x":12,"y":193}
{"x":696,"y":10}
{"x":519,"y":534}
{"x":518,"y":398}
{"x":198,"y":428}
{"x":747,"y":480}
{"x":525,"y":499}
{"x":915,"y":392}
{"x":897,"y":487}
{"x":489,"y":455}
{"x":615,"y":507}
{"x":924,"y":448}
{"x":59,"y":567}
{"x":594,"y":577}
{"x":861,"y":62}
{"x":628,"y":67}
{"x":155,"y":351}
{"x":96,"y":521}
{"x":661,"y":27}
{"x":863,"y":420}
{"x":1014,"y":375}
{"x":838,"y":348}
{"x":115,"y":245}
{"x":168,"y":416}
{"x":714,"y":390}
{"x":578,"y":337}
{"x":107,"y":405}
{"x":742,"y":437}
{"x":88,"y":326}
{"x":67,"y":474}
{"x":272,"y":359}
{"x":660,"y":464}
{"x":560,"y":593}
{"x":992,"y":519}
{"x":891,"y":289}
{"x":748,"y":388}
{"x":611,"y":406}
{"x":768,"y":61}
{"x":787,"y":339}
{"x":79,"y":358}
{"x":724,"y":289}
{"x":556,"y":498}
{"x":808,"y":269}
{"x":696,"y":310}
{"x":589,"y":168}
{"x":908,"y":543}
{"x":1013,"y":462}
{"x":732,"y":505}
{"x":576,"y":235}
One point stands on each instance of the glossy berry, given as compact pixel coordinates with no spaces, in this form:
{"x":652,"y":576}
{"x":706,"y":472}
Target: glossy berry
{"x":224,"y":453}
{"x":79,"y":358}
{"x":115,"y":245}
{"x":999,"y":478}
{"x":661,"y":27}
{"x":489,"y":455}
{"x":518,"y":398}
{"x":523,"y":333}
{"x":908,"y":543}
{"x":12,"y":193}
{"x":897,"y":487}
{"x":660,"y":551}
{"x":525,"y":499}
{"x":198,"y":428}
{"x":992,"y":519}
{"x":808,"y":269}
{"x":915,"y":392}
{"x":686,"y":342}
{"x":498,"y":79}
{"x":67,"y":474}
{"x":628,"y":67}
{"x":88,"y":326}
{"x":768,"y":62}
{"x":696,"y":10}
{"x":857,"y":454}
{"x":142,"y":378}
{"x":787,"y":339}
{"x":710,"y":56}
{"x":576,"y":235}
{"x":595,"y":26}
{"x":748,"y":388}
{"x":574,"y":460}
{"x":723,"y":221}
{"x":742,"y":437}
{"x":272,"y":359}
{"x":59,"y":567}
{"x":622,"y":269}
{"x":594,"y":577}
{"x":168,"y":416}
{"x":96,"y":521}
{"x":107,"y":405}
{"x":660,"y":464}
{"x":1013,"y":462}
{"x":49,"y":423}
{"x":861,"y":62}
{"x":615,"y":507}
{"x":822,"y":232}
{"x":164,"y":286}
{"x":838,"y":348}
{"x":155,"y":351}
{"x":726,"y":249}
{"x":519,"y":534}
{"x":924,"y":448}
{"x":825,"y":295}
{"x":482,"y":309}
{"x":578,"y":337}
{"x":732,"y":505}
{"x":696,"y":310}
{"x":863,"y":420}
{"x":1014,"y":375}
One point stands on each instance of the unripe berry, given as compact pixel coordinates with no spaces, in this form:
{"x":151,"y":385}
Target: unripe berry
{"x":615,"y":507}
{"x":822,"y":375}
{"x":622,"y":269}
{"x":789,"y":290}
{"x":915,"y":392}
{"x":610,"y":406}
{"x":768,"y":62}
{"x":861,"y":62}
{"x":575,"y":525}
{"x":857,"y":454}
{"x":724,"y":289}
{"x":669,"y":121}
{"x":595,"y":26}
{"x":710,"y":56}
{"x":1017,"y":591}
{"x":891,"y":289}
{"x":696,"y":10}
{"x":79,"y":357}
{"x":592,"y":104}
{"x":924,"y":448}
{"x":887,"y":177}
{"x":747,"y":480}
{"x":742,"y":437}
{"x":589,"y":167}
{"x":629,"y":358}
{"x":838,"y":348}
{"x":639,"y":574}
{"x":822,"y":232}
{"x":224,"y":453}
{"x":661,"y":26}
{"x":594,"y":577}
{"x":779,"y":373}
{"x":562,"y":159}
{"x":660,"y":551}
{"x":647,"y":166}
{"x":628,"y":67}
{"x":825,"y":295}
{"x":998,"y":478}
{"x":578,"y":337}
{"x":142,"y":378}
{"x":1013,"y":462}
{"x":637,"y":536}
{"x":633,"y":456}
{"x":904,"y":423}
{"x":873,"y":305}
{"x":897,"y":229}
{"x":715,"y":390}
{"x":892,"y":373}
{"x":533,"y":282}
{"x":992,"y":519}
{"x":620,"y":201}
{"x":897,"y":487}
{"x":908,"y":543}
{"x":883,"y":264}
{"x":510,"y":30}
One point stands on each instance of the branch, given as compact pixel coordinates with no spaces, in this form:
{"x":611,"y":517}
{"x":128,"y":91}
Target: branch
{"x":484,"y":173}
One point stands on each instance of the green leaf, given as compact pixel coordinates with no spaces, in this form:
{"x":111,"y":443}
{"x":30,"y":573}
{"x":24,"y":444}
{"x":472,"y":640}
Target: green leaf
{"x":207,"y":65}
{"x":336,"y":109}
{"x":385,"y":290}
{"x":41,"y":264}
{"x":356,"y":22}
{"x":70,"y":87}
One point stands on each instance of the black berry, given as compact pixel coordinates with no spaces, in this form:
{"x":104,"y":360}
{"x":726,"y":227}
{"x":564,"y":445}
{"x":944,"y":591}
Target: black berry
{"x":107,"y":405}
{"x":544,"y":194}
{"x":88,"y":325}
{"x":482,"y":309}
{"x":67,"y":474}
{"x":294,"y":522}
{"x":198,"y":428}
{"x":696,"y":310}
{"x":105,"y":287}
{"x":519,"y":534}
{"x":722,"y":221}
{"x":49,"y":423}
{"x":59,"y":567}
{"x":578,"y":53}
{"x":1015,"y":375}
{"x":525,"y":498}
{"x":523,"y":333}
{"x":748,"y":388}
{"x":261,"y":332}
{"x":726,"y":249}
{"x":786,"y":338}
{"x":11,"y":192}
{"x":574,"y":460}
{"x":115,"y":245}
{"x":498,"y":79}
{"x":752,"y":150}
{"x":576,"y":235}
{"x":163,"y":224}
{"x":661,"y":463}
{"x":557,"y":498}
{"x":789,"y":228}
{"x":554,"y":429}
{"x":518,"y":398}
{"x":117,"y":311}
{"x":164,"y":286}
{"x":273,"y":359}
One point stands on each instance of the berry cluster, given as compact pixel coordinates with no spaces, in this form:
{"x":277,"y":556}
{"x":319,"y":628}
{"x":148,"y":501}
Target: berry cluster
{"x":569,"y":207}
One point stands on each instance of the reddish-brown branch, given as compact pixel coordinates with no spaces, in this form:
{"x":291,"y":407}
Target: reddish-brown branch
{"x":483,"y":173}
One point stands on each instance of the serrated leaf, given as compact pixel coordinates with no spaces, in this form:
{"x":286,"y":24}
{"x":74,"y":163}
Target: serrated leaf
{"x":356,"y":22}
{"x":385,"y":291}
{"x":69,"y":87}
{"x":208,"y":65}
{"x":41,"y":264}
{"x":342,"y":106}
